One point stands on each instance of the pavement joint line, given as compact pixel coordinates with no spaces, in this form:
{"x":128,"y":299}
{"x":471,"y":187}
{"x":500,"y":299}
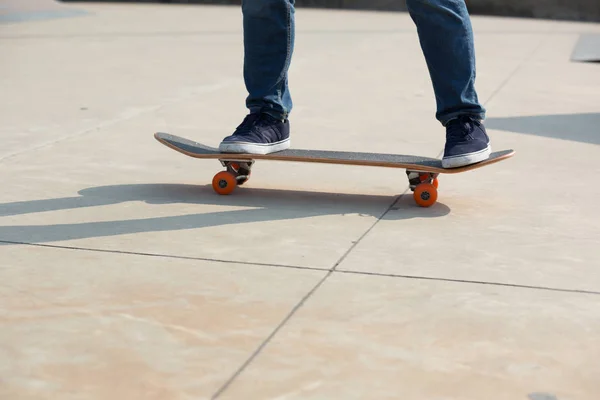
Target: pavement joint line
{"x":512,"y":74}
{"x":356,"y":242}
{"x":158,"y":255}
{"x":430,"y":278}
{"x":303,"y":300}
{"x":201,"y":89}
{"x":265,"y":342}
{"x":80,"y":133}
{"x":333,"y":270}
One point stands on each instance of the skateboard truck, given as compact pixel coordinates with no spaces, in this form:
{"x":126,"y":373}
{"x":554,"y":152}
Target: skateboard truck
{"x":424,"y":187}
{"x":236,"y":174}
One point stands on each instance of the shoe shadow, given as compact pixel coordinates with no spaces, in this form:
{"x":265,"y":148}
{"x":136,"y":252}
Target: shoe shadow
{"x":261,"y":205}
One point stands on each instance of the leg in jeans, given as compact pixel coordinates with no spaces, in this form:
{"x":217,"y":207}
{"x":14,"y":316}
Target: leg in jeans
{"x":446,"y":38}
{"x":268,"y":46}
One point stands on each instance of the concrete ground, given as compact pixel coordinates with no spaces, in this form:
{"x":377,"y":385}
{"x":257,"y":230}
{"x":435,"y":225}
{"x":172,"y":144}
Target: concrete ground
{"x":123,"y":276}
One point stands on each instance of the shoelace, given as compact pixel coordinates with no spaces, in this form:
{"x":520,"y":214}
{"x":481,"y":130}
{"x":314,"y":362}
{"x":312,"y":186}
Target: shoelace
{"x":265,"y":119}
{"x":460,"y":127}
{"x":259,"y":119}
{"x":248,"y":121}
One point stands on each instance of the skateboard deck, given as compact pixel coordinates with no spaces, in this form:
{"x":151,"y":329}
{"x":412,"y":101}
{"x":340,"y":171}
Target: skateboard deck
{"x":422,"y":172}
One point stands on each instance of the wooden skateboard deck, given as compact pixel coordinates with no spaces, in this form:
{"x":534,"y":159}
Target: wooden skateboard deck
{"x":421,"y":171}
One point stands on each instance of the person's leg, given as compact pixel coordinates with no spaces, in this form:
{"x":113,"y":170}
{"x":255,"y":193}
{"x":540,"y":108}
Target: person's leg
{"x":268,"y":47}
{"x":446,"y":38}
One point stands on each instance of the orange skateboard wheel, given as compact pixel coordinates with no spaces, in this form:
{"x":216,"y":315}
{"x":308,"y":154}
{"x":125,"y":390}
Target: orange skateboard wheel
{"x":425,"y":195}
{"x":224,"y":182}
{"x":436,"y":183}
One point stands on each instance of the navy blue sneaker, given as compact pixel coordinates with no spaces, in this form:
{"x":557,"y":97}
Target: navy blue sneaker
{"x":467,"y":143}
{"x":259,"y":133}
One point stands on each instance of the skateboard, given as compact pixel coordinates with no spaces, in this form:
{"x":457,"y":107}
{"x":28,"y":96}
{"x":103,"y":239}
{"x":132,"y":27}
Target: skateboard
{"x":422,"y":172}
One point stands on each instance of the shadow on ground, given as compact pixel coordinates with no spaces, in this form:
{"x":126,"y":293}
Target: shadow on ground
{"x":266,"y":205}
{"x":583,"y":128}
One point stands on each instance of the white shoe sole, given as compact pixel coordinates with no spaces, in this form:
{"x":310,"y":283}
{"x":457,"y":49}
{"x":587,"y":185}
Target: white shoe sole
{"x":254,"y":148}
{"x":467,"y":159}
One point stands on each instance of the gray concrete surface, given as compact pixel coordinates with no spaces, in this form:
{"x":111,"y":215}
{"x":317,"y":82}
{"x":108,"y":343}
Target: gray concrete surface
{"x":123,"y":275}
{"x":35,"y":10}
{"x":580,"y":10}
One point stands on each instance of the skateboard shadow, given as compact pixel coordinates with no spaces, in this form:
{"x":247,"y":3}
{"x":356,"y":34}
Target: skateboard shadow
{"x":262,"y":205}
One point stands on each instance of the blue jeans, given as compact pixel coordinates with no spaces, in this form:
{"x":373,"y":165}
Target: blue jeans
{"x":445,"y":35}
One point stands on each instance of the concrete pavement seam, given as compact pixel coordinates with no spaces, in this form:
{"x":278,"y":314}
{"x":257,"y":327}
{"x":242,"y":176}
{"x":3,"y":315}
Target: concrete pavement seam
{"x":201,"y":89}
{"x":265,"y":342}
{"x":515,"y":71}
{"x":158,"y":255}
{"x":340,"y":271}
{"x":303,"y":300}
{"x":431,"y":278}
